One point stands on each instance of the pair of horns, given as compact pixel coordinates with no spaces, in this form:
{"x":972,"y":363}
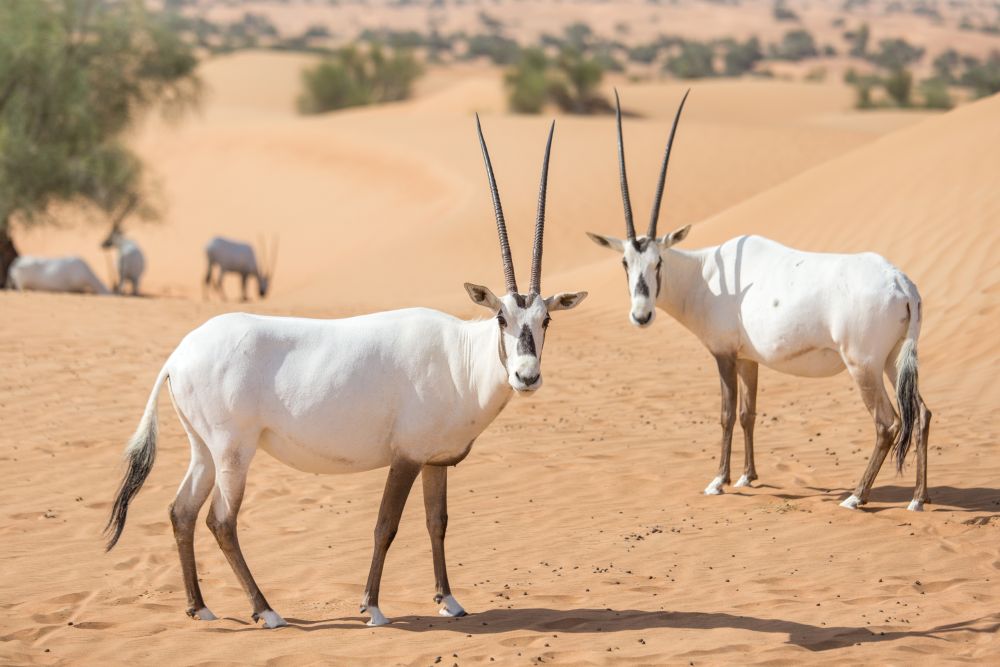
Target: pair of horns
{"x":655,"y":215}
{"x":536,"y":256}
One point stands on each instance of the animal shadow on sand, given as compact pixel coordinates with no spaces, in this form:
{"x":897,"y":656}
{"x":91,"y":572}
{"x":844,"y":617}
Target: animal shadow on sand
{"x":949,"y":498}
{"x":496,"y":621}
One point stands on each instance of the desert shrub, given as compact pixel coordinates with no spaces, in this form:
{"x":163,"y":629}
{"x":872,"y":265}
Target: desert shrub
{"x":945,"y":65}
{"x":894,"y":54}
{"x":781,"y":12}
{"x":644,"y":53}
{"x":741,"y":57}
{"x":499,"y":49}
{"x":858,"y":41}
{"x":983,"y":76}
{"x":528,"y":83}
{"x":352,"y":77}
{"x":796,"y":45}
{"x":899,"y":86}
{"x":696,"y":60}
{"x":936,"y":95}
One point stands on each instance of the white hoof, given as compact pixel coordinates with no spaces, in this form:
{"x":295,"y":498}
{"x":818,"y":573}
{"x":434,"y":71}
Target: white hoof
{"x":272,"y":619}
{"x":451,"y":607}
{"x":377,"y":618}
{"x":851,"y":503}
{"x":916,"y":505}
{"x":205,"y":614}
{"x":742,"y":481}
{"x":715,"y":487}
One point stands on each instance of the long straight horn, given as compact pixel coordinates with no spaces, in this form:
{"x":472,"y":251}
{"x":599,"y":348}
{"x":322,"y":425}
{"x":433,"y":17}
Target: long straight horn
{"x":536,"y":253}
{"x":629,"y":225}
{"x":508,"y":264}
{"x":655,"y":215}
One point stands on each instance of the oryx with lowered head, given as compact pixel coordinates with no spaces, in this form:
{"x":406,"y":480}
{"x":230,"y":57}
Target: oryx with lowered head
{"x":410,"y":390}
{"x":239,"y":258}
{"x":753,"y":301}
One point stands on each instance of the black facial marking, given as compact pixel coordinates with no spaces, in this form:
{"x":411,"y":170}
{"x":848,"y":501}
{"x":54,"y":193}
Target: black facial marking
{"x":640,"y":244}
{"x":641,"y":288}
{"x":519,"y":298}
{"x":659,"y":265}
{"x":526,"y":342}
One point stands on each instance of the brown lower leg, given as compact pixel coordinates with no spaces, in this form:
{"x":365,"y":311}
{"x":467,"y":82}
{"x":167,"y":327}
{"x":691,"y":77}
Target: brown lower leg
{"x":184,"y":535}
{"x":435,"y":480}
{"x":402,"y":473}
{"x":883,"y":440}
{"x":747,"y":371}
{"x":224,"y":529}
{"x":727,"y":381}
{"x":920,"y":492}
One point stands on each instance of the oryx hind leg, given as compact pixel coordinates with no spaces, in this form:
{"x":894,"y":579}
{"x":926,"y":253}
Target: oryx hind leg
{"x":747,"y":371}
{"x":923,"y":430}
{"x":191,"y":495}
{"x":231,"y":466}
{"x":869,"y":380}
{"x":727,"y":381}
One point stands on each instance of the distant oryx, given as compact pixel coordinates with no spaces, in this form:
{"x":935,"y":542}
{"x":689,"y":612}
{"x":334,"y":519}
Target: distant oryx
{"x":753,"y":301}
{"x":131,"y":262}
{"x":408,"y":389}
{"x":56,"y":274}
{"x":237,"y":257}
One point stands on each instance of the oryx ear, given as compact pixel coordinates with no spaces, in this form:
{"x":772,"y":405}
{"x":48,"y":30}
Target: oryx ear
{"x":482,"y":296}
{"x":674,"y":237}
{"x":607,"y":241}
{"x":564,"y":301}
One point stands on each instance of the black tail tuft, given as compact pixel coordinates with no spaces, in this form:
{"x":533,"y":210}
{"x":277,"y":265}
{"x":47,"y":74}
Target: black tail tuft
{"x":140,"y":457}
{"x":908,"y":398}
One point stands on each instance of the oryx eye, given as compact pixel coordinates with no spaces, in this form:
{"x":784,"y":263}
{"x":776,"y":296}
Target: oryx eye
{"x":545,"y":322}
{"x":501,"y":320}
{"x":625,"y":265}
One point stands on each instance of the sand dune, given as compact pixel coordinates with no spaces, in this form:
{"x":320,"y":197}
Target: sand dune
{"x":578,"y":534}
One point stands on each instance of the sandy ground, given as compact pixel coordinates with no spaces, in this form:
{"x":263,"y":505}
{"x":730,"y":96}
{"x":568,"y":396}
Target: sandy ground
{"x":578,"y":534}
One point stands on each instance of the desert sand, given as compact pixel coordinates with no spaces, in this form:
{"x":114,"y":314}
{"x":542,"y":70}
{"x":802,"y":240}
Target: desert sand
{"x":578,"y":532}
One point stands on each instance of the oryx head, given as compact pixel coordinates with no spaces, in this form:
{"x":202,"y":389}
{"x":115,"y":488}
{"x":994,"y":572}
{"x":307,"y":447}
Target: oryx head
{"x":521,"y":318}
{"x":113,"y":239}
{"x":641,"y":256}
{"x":265,"y":270}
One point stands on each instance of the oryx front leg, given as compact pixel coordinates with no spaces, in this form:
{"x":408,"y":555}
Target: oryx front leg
{"x":877,"y":401}
{"x":747,"y":372}
{"x":436,"y":506}
{"x":230,"y":482}
{"x":727,"y":381}
{"x":402,"y":473}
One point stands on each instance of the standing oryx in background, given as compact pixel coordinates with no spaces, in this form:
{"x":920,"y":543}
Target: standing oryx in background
{"x":131,"y":262}
{"x":753,"y":301}
{"x":408,"y":389}
{"x":54,"y":274}
{"x":237,"y":257}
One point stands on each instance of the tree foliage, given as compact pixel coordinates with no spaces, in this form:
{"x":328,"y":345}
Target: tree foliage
{"x":570,"y":80}
{"x":74,"y":75}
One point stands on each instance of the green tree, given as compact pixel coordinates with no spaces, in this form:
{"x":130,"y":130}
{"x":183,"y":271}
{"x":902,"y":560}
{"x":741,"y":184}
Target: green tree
{"x":527,"y":82}
{"x":741,"y":57}
{"x":574,"y":89}
{"x":936,"y":95}
{"x":796,"y":45}
{"x":899,"y":86}
{"x":74,"y":76}
{"x":983,"y":76}
{"x":858,"y":40}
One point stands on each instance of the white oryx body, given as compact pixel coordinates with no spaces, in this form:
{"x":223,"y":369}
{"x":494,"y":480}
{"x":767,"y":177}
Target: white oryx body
{"x":239,"y":258}
{"x":753,"y":301}
{"x":408,"y":389}
{"x":341,"y":396}
{"x":800,"y":313}
{"x":131,"y":263}
{"x":55,"y":274}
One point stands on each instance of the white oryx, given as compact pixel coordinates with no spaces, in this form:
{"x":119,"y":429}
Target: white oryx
{"x":238,"y":257}
{"x":54,"y":274}
{"x":409,"y":389}
{"x":752,"y":301}
{"x":131,"y":262}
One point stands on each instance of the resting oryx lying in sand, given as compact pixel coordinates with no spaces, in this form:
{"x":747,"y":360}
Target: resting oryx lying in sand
{"x":408,"y":389}
{"x":238,"y":257}
{"x":753,"y":301}
{"x":55,"y":274}
{"x":131,"y":262}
